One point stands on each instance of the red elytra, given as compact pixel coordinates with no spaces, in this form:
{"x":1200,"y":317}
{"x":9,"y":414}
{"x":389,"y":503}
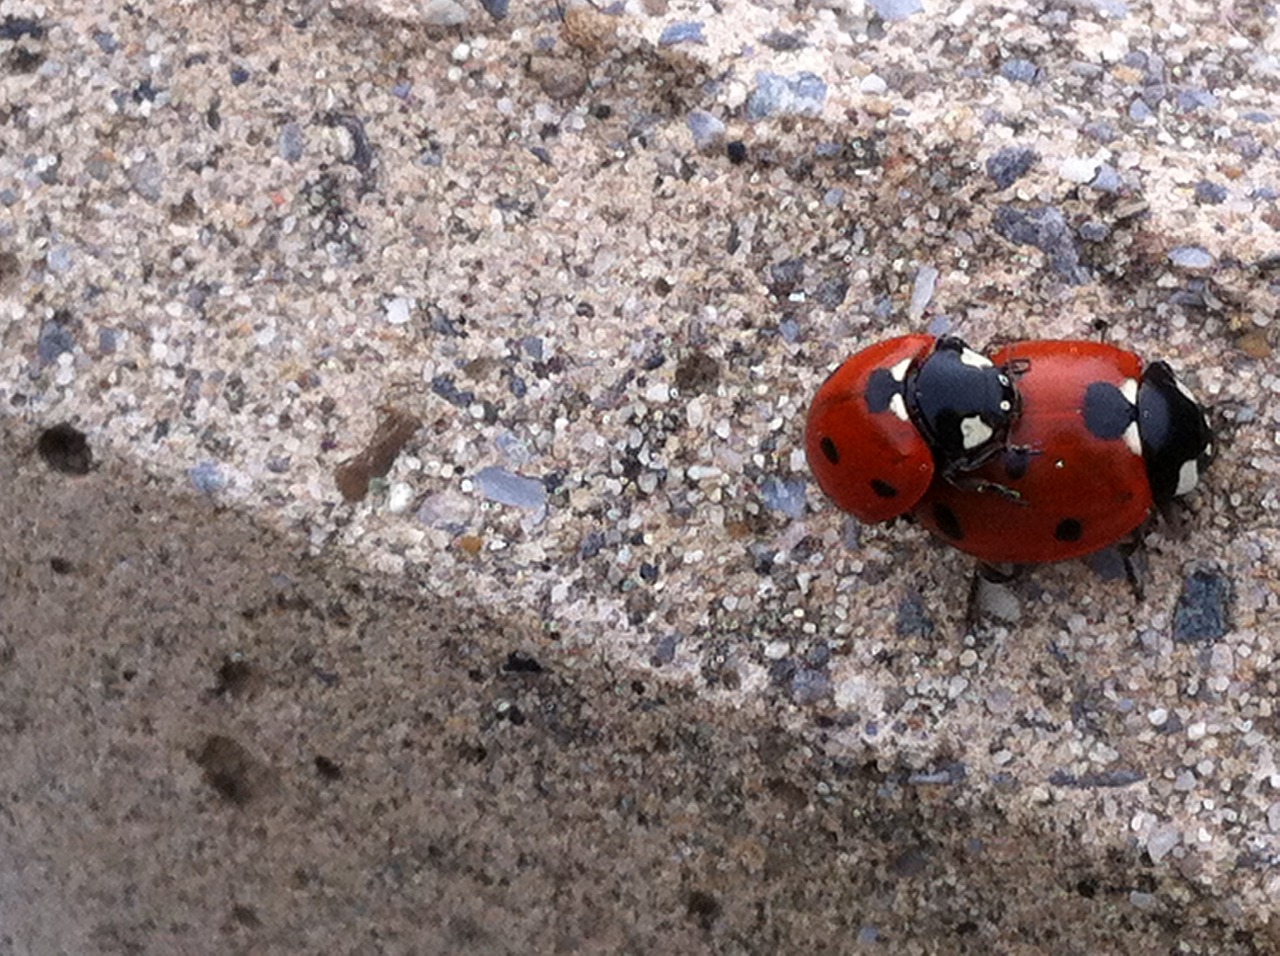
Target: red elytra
{"x":871,"y":462}
{"x":1072,"y":479}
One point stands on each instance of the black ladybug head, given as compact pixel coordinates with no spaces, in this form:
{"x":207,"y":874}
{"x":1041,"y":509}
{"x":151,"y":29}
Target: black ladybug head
{"x":962,"y":404}
{"x":1177,"y":445}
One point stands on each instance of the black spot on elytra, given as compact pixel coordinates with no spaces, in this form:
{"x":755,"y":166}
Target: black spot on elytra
{"x":1107,"y":413}
{"x":947,"y":522}
{"x":883,"y":489}
{"x":830,"y":451}
{"x":880,"y":390}
{"x":1069,"y":529}
{"x":65,"y":448}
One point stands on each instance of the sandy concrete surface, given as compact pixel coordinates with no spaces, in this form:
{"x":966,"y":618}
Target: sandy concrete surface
{"x":405,"y":542}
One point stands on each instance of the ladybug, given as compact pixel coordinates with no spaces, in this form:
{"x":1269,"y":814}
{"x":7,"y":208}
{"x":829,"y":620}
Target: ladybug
{"x":903,"y":413}
{"x":1101,"y":442}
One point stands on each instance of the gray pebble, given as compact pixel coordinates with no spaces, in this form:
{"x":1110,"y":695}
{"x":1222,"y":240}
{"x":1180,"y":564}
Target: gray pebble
{"x":508,"y":488}
{"x":1019,"y":70}
{"x":892,"y":10}
{"x":800,"y":94}
{"x":1107,"y":180}
{"x":1011,"y":164}
{"x":1203,"y":612}
{"x":787,"y":496}
{"x":444,"y":13}
{"x":55,"y":338}
{"x":147,"y":179}
{"x":1139,"y":111}
{"x":687,"y":31}
{"x":708,"y":130}
{"x":207,"y":477}
{"x":1045,"y":228}
{"x":1189,"y":100}
{"x":59,"y":260}
{"x":1191,"y":257}
{"x":292,"y":142}
{"x":1209,"y":193}
{"x":496,"y":8}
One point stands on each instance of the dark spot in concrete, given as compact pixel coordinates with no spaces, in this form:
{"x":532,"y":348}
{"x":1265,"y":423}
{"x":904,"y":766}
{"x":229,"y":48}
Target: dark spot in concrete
{"x":65,"y":448}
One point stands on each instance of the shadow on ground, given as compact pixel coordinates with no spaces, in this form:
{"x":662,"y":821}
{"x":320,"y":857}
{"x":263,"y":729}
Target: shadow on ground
{"x":213,"y":744}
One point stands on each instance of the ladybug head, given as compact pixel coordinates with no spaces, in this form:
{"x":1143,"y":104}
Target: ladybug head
{"x":1176,"y":442}
{"x":963,"y":405}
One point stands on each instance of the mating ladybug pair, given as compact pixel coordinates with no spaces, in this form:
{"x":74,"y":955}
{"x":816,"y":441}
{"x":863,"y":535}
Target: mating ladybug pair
{"x":1044,"y":451}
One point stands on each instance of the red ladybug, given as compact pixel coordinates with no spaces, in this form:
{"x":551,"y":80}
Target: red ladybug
{"x":901,"y":413}
{"x":1100,"y":442}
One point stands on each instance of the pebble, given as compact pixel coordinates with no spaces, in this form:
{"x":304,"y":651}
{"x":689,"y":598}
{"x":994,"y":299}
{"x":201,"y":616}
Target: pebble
{"x":787,"y":496}
{"x":800,"y":94}
{"x":1078,"y":169}
{"x":1019,"y":70}
{"x":1045,"y":228}
{"x":147,"y":179}
{"x":1107,"y":180}
{"x":1202,"y":615}
{"x":1191,"y":257}
{"x":1209,"y":193}
{"x":207,"y":477}
{"x":708,"y":130}
{"x":1010,"y":164}
{"x":688,"y":31}
{"x":55,"y":338}
{"x":892,"y":10}
{"x":496,"y":8}
{"x":922,"y":292}
{"x":873,"y":84}
{"x":399,"y":310}
{"x":292,"y":142}
{"x":399,"y":497}
{"x":507,"y":488}
{"x":444,"y":13}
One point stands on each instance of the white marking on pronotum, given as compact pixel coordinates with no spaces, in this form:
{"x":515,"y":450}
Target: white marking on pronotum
{"x":1129,"y":389}
{"x":972,"y":358}
{"x":1132,"y":439}
{"x":1188,"y":477}
{"x":899,"y":371}
{"x":898,"y":405}
{"x":974,"y":431}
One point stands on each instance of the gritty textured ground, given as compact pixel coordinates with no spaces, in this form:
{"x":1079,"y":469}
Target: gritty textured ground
{"x":439,"y":571}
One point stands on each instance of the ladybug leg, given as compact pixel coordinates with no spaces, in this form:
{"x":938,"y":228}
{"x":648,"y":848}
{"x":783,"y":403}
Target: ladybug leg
{"x":1127,"y":550}
{"x":1102,"y":327}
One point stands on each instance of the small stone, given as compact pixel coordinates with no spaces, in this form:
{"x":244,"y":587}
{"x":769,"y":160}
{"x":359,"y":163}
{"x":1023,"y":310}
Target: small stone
{"x":399,"y":496}
{"x":873,"y":84}
{"x":1094,"y":231}
{"x":559,"y":79}
{"x":892,"y":10}
{"x":922,"y":292}
{"x":147,"y":179}
{"x":444,"y":13}
{"x":1191,"y":257}
{"x":787,"y":496}
{"x":1139,"y":111}
{"x":913,"y":618}
{"x":508,"y":488}
{"x":1209,"y":193}
{"x":1161,"y":840}
{"x":708,"y":130}
{"x":800,"y":94}
{"x":1158,"y":716}
{"x":496,"y":8}
{"x":1107,"y":180}
{"x":783,"y":42}
{"x":399,"y":310}
{"x":1202,"y":615}
{"x":1010,"y":164}
{"x":1019,"y":70}
{"x":1045,"y":228}
{"x":291,"y":143}
{"x":207,"y":477}
{"x":1078,"y":169}
{"x":688,"y":31}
